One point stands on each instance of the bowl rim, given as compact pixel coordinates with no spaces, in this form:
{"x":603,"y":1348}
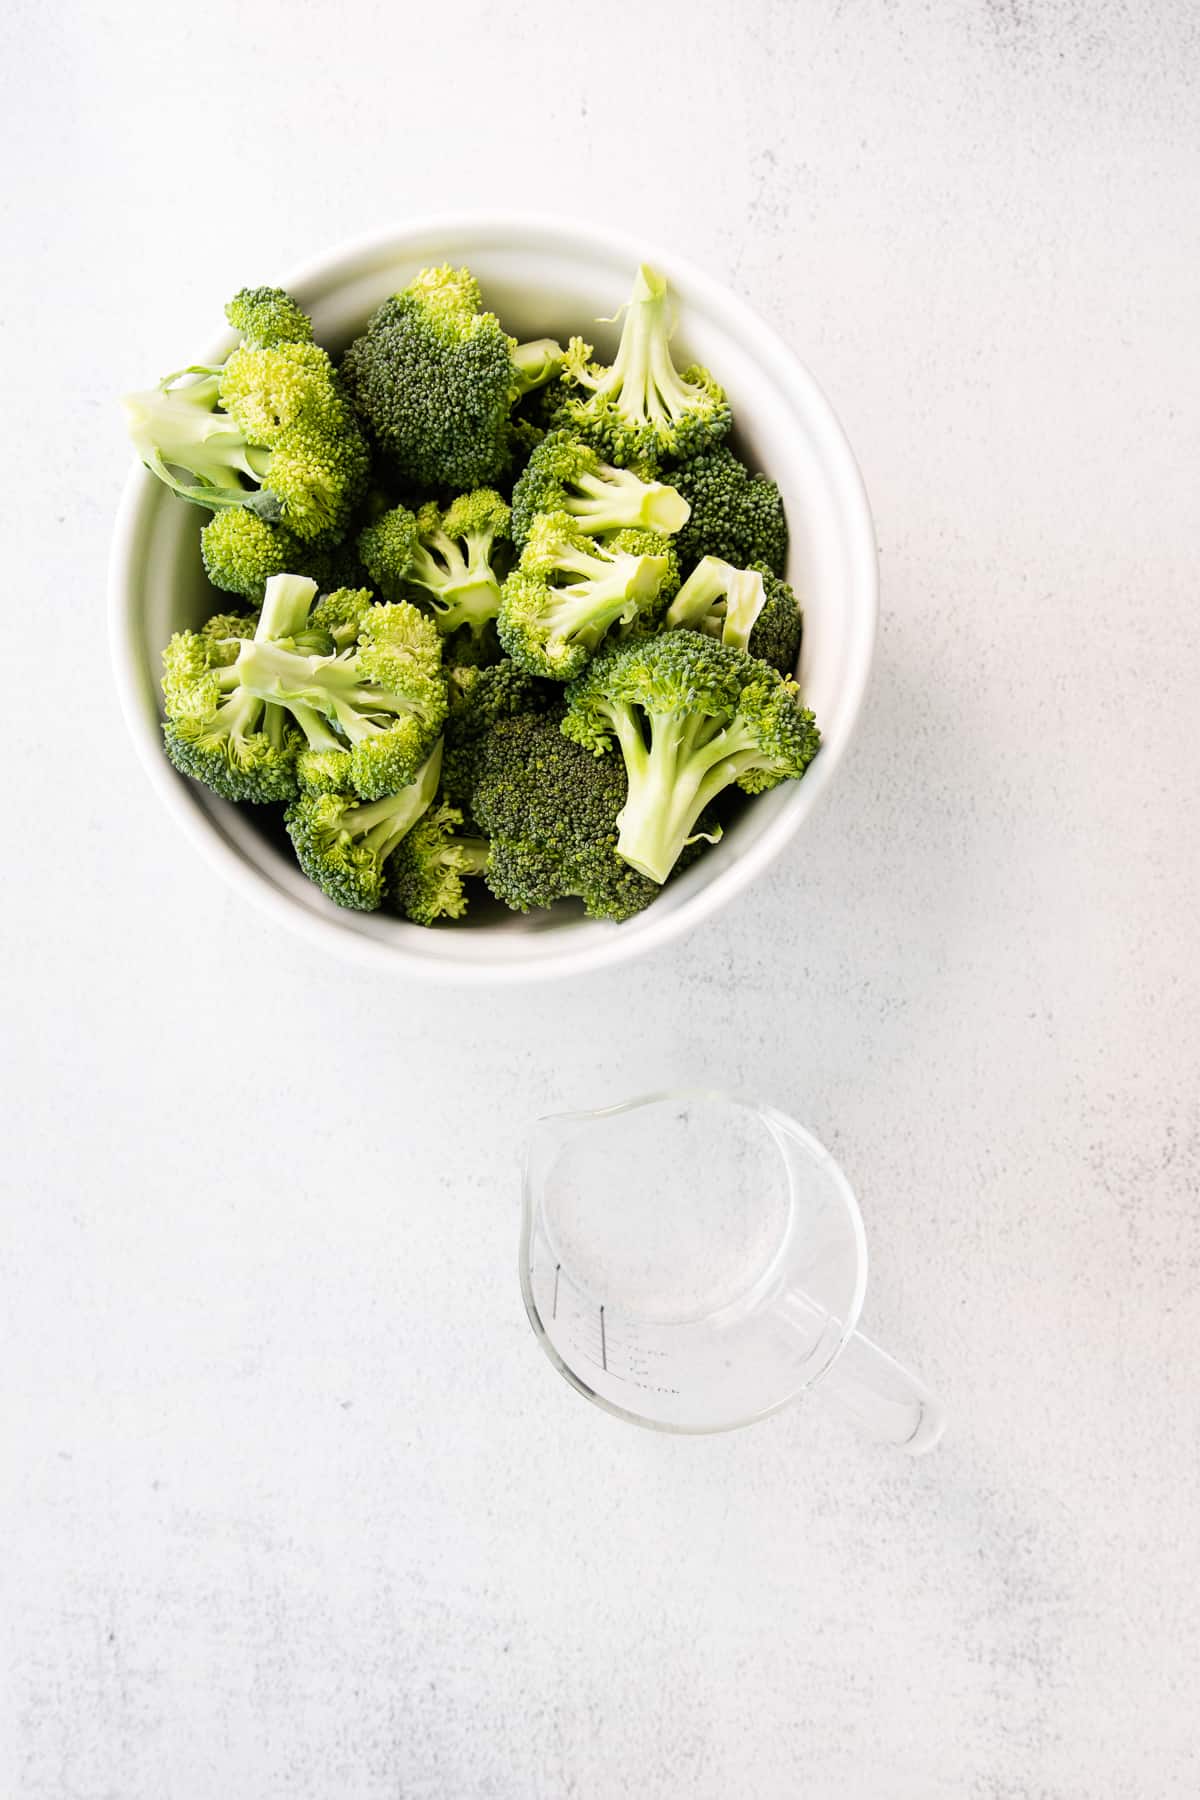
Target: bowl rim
{"x":141,"y":491}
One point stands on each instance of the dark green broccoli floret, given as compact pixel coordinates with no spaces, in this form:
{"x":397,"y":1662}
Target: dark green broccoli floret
{"x":549,"y":811}
{"x":268,"y":430}
{"x":735,"y":515}
{"x":692,"y":717}
{"x":642,"y":409}
{"x":434,"y":378}
{"x":478,"y":697}
{"x":779,"y":627}
{"x":337,"y":695}
{"x":447,"y":555}
{"x":566,"y":475}
{"x":428,"y":872}
{"x":344,"y":845}
{"x":566,"y":592}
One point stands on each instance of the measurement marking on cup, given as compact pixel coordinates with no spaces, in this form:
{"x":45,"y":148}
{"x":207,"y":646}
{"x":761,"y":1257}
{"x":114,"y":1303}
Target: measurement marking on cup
{"x":554,"y":1307}
{"x":603,"y":1344}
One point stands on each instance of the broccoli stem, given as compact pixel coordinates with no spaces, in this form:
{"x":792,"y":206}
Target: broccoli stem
{"x":285,"y":608}
{"x":534,"y":364}
{"x":384,"y":823}
{"x":176,"y":427}
{"x":586,"y":609}
{"x":643,"y":380}
{"x":620,"y":500}
{"x":462,"y":589}
{"x":741,"y":593}
{"x":314,"y":727}
{"x":472,"y":855}
{"x":689,"y":762}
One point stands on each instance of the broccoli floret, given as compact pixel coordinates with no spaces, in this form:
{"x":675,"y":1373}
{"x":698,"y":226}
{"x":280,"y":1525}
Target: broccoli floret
{"x":736,"y":516}
{"x":268,"y":430}
{"x":344,"y":845}
{"x":478,"y":698}
{"x":385,"y":697}
{"x":723,"y":601}
{"x":241,"y":552}
{"x":566,"y":475}
{"x":565,"y":593}
{"x":779,"y":628}
{"x":238,"y":742}
{"x":649,"y":617}
{"x":341,"y":694}
{"x":387,"y":547}
{"x":692,"y":717}
{"x":265,"y":316}
{"x":447,"y":555}
{"x":549,"y":811}
{"x":434,"y":378}
{"x":642,"y":408}
{"x":752,"y":609}
{"x":427,"y":874}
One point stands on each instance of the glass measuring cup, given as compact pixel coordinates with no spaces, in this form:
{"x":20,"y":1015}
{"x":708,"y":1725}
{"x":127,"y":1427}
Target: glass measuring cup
{"x":692,"y":1262}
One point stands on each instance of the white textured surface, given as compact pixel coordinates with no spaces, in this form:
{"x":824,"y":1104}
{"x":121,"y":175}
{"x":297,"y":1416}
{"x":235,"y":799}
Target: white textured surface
{"x":291,"y":1506}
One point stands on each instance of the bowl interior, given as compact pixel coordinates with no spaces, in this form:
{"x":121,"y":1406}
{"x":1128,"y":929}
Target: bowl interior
{"x":543,"y":281}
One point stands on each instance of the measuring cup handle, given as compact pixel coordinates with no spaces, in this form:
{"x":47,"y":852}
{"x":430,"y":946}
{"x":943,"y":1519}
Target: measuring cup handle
{"x":889,"y":1404}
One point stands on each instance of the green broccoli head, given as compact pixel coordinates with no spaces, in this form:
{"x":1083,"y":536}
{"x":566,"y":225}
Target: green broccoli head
{"x":549,"y":810}
{"x":566,"y":592}
{"x":692,"y":717}
{"x":241,"y":553}
{"x":387,"y":547}
{"x":478,"y":698}
{"x":434,"y":378}
{"x":564,"y":474}
{"x":779,"y":628}
{"x":429,"y":870}
{"x":346,"y":693}
{"x":269,"y":431}
{"x":735,"y":515}
{"x":236,"y":743}
{"x":642,"y":409}
{"x":344,"y":845}
{"x":266,"y":315}
{"x":453,"y":562}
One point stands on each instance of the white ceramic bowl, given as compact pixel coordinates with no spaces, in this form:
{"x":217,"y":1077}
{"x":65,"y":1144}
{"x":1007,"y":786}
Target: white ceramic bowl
{"x":542,"y":276}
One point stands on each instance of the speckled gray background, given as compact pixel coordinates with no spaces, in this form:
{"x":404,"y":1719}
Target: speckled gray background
{"x":291,"y":1507}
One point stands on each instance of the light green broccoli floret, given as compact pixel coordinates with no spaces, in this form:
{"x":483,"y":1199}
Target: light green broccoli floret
{"x":266,"y":315}
{"x":269,"y":430}
{"x":341,"y":694}
{"x":429,"y":870}
{"x":566,"y":475}
{"x":641,"y":408}
{"x":344,"y":845}
{"x":448,"y":557}
{"x":241,"y":553}
{"x":566,"y":592}
{"x":692,"y":717}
